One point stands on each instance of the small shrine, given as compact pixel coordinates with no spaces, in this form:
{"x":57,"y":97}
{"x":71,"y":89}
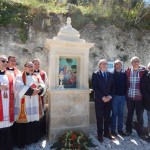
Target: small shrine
{"x":68,"y":82}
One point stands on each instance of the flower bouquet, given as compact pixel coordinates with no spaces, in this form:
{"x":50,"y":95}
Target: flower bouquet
{"x":73,"y":140}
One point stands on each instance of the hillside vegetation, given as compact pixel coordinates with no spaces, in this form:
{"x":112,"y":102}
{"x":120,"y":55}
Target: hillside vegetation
{"x":121,"y":13}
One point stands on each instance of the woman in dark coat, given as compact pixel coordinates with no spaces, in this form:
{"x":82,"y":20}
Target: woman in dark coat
{"x":145,"y":90}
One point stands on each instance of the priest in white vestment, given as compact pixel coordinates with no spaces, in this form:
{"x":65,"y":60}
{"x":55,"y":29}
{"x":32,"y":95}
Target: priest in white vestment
{"x":28,"y":106}
{"x":38,"y":71}
{"x":11,"y":66}
{"x":6,"y":106}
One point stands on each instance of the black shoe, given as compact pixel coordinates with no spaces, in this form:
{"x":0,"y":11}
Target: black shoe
{"x":114,"y":134}
{"x":100,"y":138}
{"x":143,"y":137}
{"x":122,"y":133}
{"x":109,"y":136}
{"x":148,"y":139}
{"x":128,"y":133}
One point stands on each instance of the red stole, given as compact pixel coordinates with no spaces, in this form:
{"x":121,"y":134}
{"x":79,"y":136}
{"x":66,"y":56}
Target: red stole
{"x":11,"y":100}
{"x":42,"y":74}
{"x":16,"y":71}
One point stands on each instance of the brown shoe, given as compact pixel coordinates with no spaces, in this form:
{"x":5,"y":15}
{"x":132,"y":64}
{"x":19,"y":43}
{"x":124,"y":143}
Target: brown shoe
{"x":100,"y":138}
{"x":109,"y":136}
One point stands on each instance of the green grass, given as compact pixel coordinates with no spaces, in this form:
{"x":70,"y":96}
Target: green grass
{"x":51,"y":6}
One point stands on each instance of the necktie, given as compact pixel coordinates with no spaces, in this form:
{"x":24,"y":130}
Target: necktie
{"x":104,"y":75}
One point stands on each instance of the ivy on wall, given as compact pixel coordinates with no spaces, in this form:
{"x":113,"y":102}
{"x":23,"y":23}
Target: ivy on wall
{"x":20,"y":16}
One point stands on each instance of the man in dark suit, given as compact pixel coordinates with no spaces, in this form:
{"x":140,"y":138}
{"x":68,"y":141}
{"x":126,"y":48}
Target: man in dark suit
{"x":103,"y":86}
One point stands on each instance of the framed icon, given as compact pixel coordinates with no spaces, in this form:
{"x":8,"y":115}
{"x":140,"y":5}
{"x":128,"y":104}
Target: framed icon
{"x":68,"y":66}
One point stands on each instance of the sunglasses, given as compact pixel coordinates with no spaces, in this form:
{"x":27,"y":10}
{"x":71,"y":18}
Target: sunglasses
{"x":4,"y":61}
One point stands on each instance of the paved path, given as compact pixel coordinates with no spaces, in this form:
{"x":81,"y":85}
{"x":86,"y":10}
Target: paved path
{"x":128,"y":143}
{"x":121,"y":143}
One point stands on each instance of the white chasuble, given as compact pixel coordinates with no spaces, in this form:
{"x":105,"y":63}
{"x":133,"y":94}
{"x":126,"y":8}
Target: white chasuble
{"x":43,"y":76}
{"x":5,"y":103}
{"x":31,"y":103}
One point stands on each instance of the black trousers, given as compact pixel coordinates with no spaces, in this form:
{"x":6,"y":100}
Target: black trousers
{"x":26,"y":133}
{"x":103,"y":111}
{"x":6,"y":138}
{"x":138,"y":107}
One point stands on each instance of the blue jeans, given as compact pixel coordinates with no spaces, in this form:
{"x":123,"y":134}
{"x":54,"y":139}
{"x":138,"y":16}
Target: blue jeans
{"x":118,"y":103}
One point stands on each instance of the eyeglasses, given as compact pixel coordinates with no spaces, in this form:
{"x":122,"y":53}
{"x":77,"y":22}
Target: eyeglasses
{"x":29,"y":66}
{"x":4,"y":61}
{"x":136,"y":61}
{"x":104,"y":63}
{"x":12,"y":60}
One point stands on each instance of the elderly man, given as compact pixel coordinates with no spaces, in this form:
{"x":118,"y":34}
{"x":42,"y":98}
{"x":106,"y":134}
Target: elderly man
{"x":43,"y":75}
{"x":134,"y":96}
{"x":28,"y":106}
{"x":11,"y":66}
{"x":6,"y":106}
{"x":103,"y":86}
{"x":119,"y":99}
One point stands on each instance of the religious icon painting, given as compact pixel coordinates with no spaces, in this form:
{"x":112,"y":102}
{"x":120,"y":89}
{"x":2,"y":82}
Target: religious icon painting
{"x":68,"y":66}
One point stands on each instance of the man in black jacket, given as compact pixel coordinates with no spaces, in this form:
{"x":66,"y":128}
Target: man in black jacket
{"x":145,"y":90}
{"x":119,"y":99}
{"x":103,"y":86}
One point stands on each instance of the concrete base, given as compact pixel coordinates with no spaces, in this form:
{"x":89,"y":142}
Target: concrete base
{"x":68,"y":110}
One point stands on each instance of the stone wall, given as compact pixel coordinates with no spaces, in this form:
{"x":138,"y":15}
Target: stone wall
{"x":110,"y":43}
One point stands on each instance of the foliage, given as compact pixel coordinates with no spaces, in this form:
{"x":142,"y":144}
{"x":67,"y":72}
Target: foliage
{"x":23,"y":35}
{"x":73,"y":140}
{"x":72,"y":1}
{"x":123,"y":58}
{"x":13,"y":13}
{"x":78,"y":19}
{"x":17,"y":15}
{"x":125,"y":14}
{"x":21,"y":15}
